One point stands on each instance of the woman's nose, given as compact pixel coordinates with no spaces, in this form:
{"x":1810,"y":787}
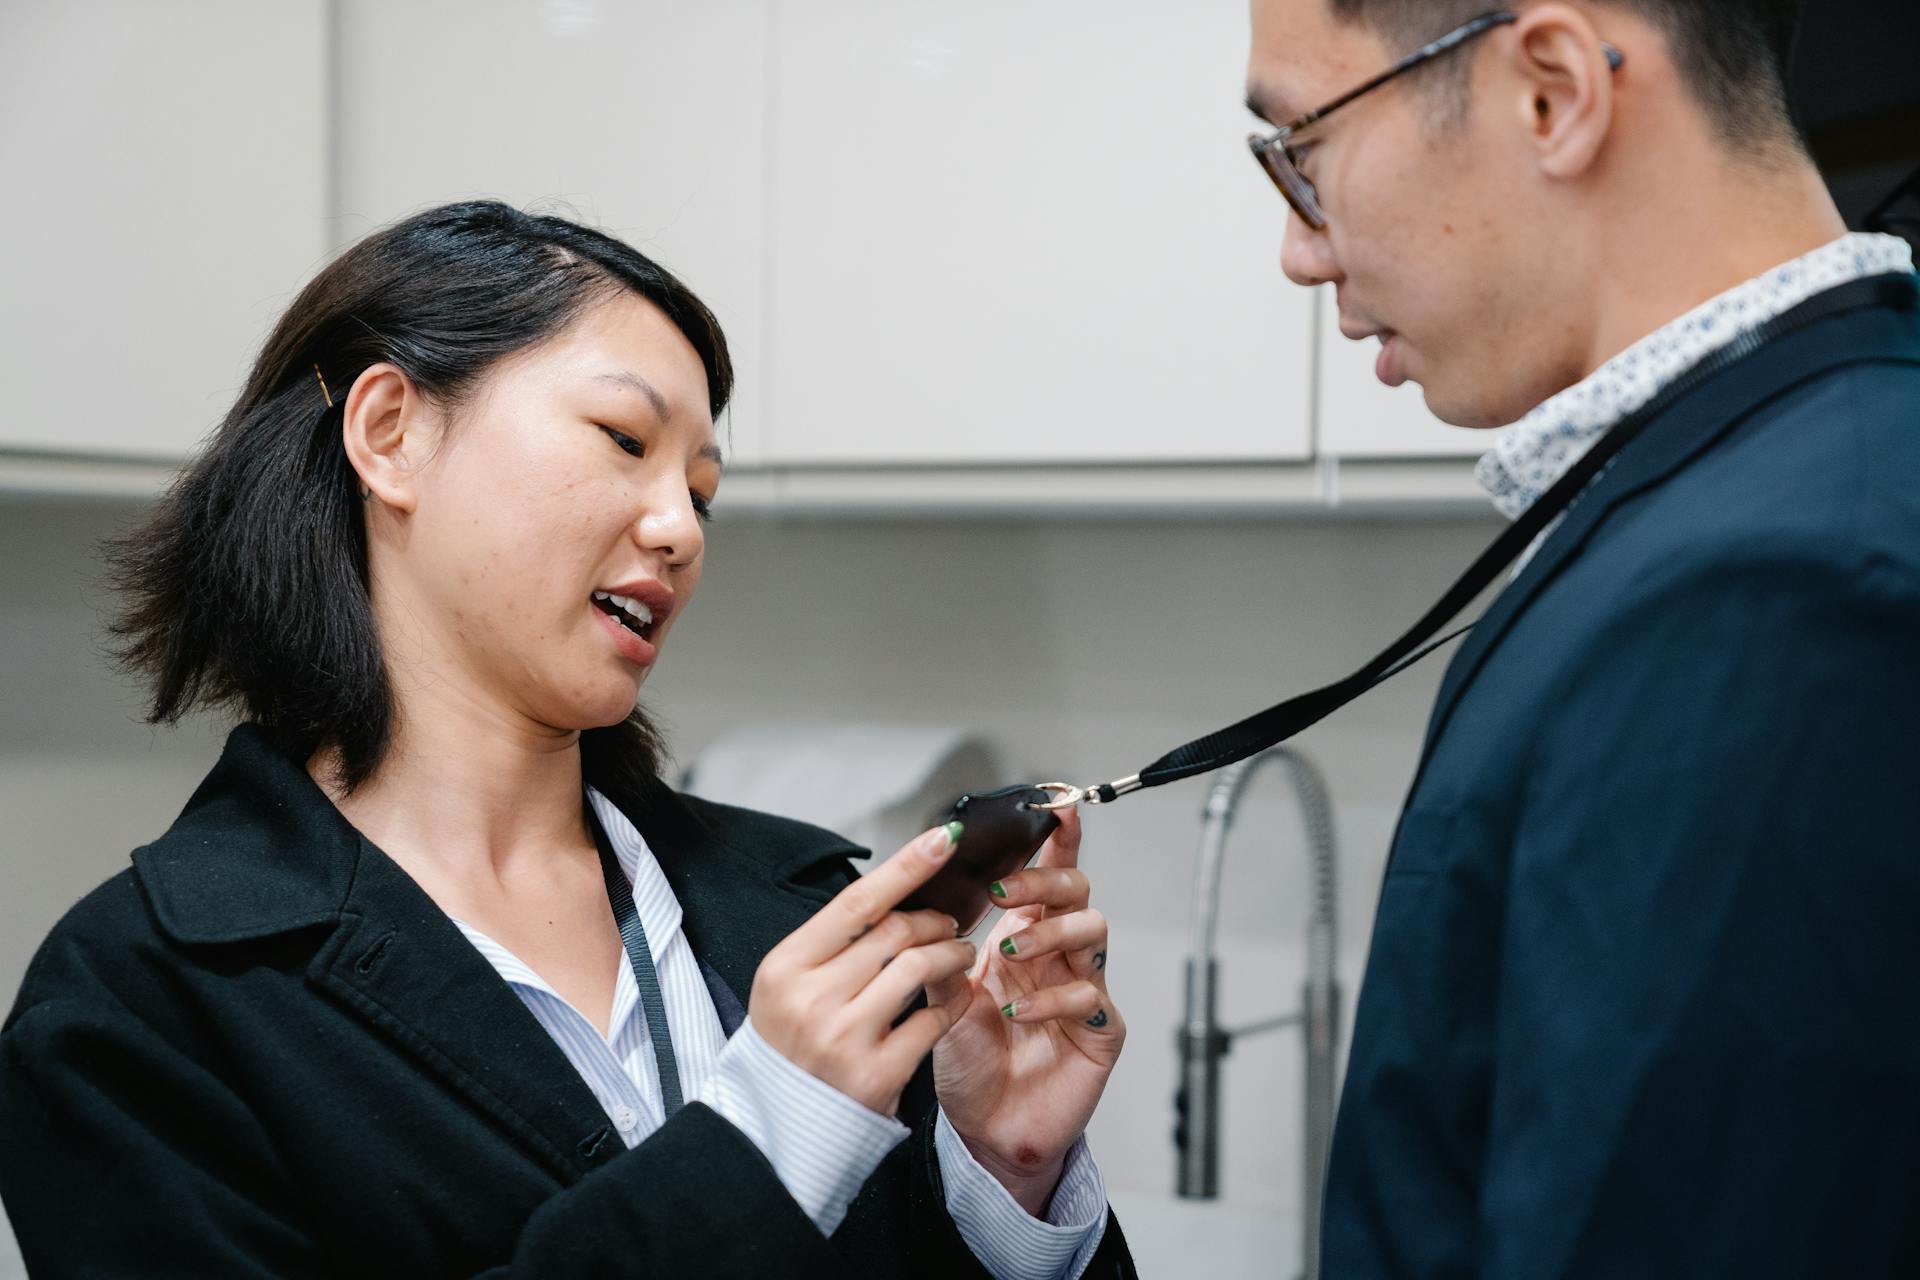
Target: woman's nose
{"x":671,"y":526}
{"x":1306,"y":255}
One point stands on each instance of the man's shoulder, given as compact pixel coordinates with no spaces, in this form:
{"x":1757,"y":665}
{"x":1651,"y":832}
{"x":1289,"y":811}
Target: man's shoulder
{"x":1825,"y":478}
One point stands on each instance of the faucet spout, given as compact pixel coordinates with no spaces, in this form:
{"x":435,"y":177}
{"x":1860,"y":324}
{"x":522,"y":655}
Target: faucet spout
{"x":1202,"y":1041}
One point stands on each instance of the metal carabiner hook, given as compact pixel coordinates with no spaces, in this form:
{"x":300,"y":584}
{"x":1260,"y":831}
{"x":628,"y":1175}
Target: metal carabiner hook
{"x":1098,"y":793}
{"x":1070,"y":796}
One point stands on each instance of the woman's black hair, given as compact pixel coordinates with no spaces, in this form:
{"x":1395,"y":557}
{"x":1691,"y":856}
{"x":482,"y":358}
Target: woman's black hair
{"x":247,"y":588}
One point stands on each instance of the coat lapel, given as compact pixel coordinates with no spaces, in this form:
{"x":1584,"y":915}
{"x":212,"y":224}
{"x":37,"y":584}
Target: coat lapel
{"x":261,"y":851}
{"x":397,"y":961}
{"x":1689,"y":428}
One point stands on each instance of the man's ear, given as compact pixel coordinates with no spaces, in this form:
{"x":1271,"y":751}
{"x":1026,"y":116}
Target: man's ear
{"x":385,"y":429}
{"x":1563,"y":88}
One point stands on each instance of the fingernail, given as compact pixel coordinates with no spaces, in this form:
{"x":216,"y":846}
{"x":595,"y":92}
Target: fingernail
{"x":1010,"y":1008}
{"x":956,"y":928}
{"x":954,"y":830}
{"x":1009,"y":947}
{"x":997,"y":889}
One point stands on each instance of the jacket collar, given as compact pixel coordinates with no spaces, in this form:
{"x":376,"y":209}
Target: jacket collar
{"x":261,"y":851}
{"x":1686,"y":430}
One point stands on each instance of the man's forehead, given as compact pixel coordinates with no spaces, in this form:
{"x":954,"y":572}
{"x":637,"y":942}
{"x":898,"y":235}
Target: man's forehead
{"x":1298,"y":48}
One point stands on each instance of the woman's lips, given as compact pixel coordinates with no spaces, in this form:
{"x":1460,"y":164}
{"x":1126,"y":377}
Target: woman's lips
{"x":631,"y":646}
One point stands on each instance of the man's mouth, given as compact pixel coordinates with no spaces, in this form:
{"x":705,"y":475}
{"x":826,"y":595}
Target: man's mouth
{"x":1360,"y":331}
{"x":629,"y":613}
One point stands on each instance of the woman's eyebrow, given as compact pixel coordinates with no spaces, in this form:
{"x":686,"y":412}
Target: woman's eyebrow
{"x":634,"y":382}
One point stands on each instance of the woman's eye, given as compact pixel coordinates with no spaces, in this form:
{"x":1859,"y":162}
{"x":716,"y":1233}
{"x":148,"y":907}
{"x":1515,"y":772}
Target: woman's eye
{"x":702,"y":505}
{"x":626,"y":442}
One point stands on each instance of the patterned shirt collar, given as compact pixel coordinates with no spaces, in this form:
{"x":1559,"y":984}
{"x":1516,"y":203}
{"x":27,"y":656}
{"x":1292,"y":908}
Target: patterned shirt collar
{"x":1540,"y":448}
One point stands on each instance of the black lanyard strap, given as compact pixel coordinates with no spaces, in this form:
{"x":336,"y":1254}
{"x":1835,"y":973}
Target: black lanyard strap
{"x":634,"y":938}
{"x":1283,"y":720}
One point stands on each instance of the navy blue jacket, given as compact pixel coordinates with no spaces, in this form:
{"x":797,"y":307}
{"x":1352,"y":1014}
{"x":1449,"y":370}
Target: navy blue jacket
{"x":1644,"y":992}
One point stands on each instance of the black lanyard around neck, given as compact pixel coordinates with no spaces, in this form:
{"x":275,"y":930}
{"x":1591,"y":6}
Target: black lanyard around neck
{"x":634,"y":938}
{"x":1285,"y":719}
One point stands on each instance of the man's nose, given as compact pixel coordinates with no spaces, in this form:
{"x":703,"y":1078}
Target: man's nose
{"x":1306,"y":255}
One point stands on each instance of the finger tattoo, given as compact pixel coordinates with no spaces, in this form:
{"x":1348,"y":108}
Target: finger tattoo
{"x":1099,"y":1018}
{"x":1099,"y":959}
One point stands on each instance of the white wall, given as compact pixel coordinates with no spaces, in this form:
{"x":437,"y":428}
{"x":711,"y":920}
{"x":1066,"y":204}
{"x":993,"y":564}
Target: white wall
{"x":1149,"y":633}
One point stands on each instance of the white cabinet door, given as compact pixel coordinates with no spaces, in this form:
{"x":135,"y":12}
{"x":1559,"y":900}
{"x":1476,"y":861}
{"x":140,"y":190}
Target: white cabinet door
{"x":643,"y":118}
{"x":1014,"y":232}
{"x":1362,"y":417}
{"x":164,"y":163}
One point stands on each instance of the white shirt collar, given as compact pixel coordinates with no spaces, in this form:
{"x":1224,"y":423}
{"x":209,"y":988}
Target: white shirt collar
{"x":1536,"y":451}
{"x":653,"y":898}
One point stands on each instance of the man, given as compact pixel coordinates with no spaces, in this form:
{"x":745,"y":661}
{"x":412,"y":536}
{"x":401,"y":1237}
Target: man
{"x":1644,"y":991}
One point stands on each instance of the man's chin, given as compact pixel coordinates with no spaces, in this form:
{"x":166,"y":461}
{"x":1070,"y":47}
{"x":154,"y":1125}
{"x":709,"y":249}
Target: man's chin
{"x":1458,"y":409}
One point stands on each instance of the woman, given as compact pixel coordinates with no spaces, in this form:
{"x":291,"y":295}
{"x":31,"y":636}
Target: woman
{"x":434,"y":975}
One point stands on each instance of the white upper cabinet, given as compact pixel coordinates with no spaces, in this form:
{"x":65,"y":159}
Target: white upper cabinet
{"x":1014,"y":232}
{"x":644,"y":118}
{"x":164,"y":165}
{"x":1362,"y":417}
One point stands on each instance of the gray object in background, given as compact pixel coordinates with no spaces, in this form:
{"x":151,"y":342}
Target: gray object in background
{"x":1203,"y":1041}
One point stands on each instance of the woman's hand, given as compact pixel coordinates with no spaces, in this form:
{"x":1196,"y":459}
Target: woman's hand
{"x":1022,"y":1069}
{"x":827,"y":996}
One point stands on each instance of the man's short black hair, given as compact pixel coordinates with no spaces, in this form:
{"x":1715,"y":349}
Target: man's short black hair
{"x":1733,"y":54}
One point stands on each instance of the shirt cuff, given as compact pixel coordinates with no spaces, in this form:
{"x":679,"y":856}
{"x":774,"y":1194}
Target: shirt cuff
{"x":1011,"y":1243}
{"x":822,"y":1144}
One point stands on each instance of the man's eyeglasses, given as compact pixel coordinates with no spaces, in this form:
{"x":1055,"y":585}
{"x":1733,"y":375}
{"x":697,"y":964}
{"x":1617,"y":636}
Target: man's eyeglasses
{"x":1277,"y":158}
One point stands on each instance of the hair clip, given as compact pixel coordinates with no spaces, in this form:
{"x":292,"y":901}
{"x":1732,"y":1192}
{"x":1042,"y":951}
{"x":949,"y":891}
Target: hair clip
{"x":323,"y":386}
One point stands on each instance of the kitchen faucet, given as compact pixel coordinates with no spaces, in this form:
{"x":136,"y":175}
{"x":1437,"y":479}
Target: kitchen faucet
{"x":1203,"y":1041}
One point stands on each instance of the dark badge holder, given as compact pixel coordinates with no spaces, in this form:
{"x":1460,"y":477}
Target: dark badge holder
{"x":1003,"y":830}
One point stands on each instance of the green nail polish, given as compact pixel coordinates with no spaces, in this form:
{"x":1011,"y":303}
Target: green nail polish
{"x":1010,"y":1008}
{"x":1008,"y":948}
{"x":954,"y":829}
{"x":997,"y":889}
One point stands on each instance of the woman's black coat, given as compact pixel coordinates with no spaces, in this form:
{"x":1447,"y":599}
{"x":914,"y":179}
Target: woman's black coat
{"x":263,"y":1051}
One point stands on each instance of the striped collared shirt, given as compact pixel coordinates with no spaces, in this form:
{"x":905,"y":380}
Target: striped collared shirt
{"x":821,"y":1143}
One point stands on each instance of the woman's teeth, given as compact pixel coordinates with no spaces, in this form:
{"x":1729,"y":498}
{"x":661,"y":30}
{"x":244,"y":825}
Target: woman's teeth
{"x":637,"y":616}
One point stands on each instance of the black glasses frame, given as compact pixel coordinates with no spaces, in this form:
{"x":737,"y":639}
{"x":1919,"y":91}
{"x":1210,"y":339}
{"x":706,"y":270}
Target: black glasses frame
{"x":1274,"y":156}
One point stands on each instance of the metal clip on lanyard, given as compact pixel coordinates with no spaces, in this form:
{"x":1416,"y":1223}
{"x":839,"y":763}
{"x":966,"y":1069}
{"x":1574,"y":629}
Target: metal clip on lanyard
{"x":1283,"y":720}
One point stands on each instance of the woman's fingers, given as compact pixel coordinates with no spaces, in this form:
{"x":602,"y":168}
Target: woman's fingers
{"x":854,"y":968}
{"x":1080,"y":935}
{"x":900,"y":1054}
{"x":1056,"y":890}
{"x":896,"y":986}
{"x":1062,"y":848}
{"x":866,"y":902}
{"x":954,"y":993}
{"x":1082,"y":1002}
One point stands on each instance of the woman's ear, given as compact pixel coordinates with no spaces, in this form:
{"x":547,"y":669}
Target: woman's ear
{"x":1565,"y":84}
{"x":385,"y":428}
